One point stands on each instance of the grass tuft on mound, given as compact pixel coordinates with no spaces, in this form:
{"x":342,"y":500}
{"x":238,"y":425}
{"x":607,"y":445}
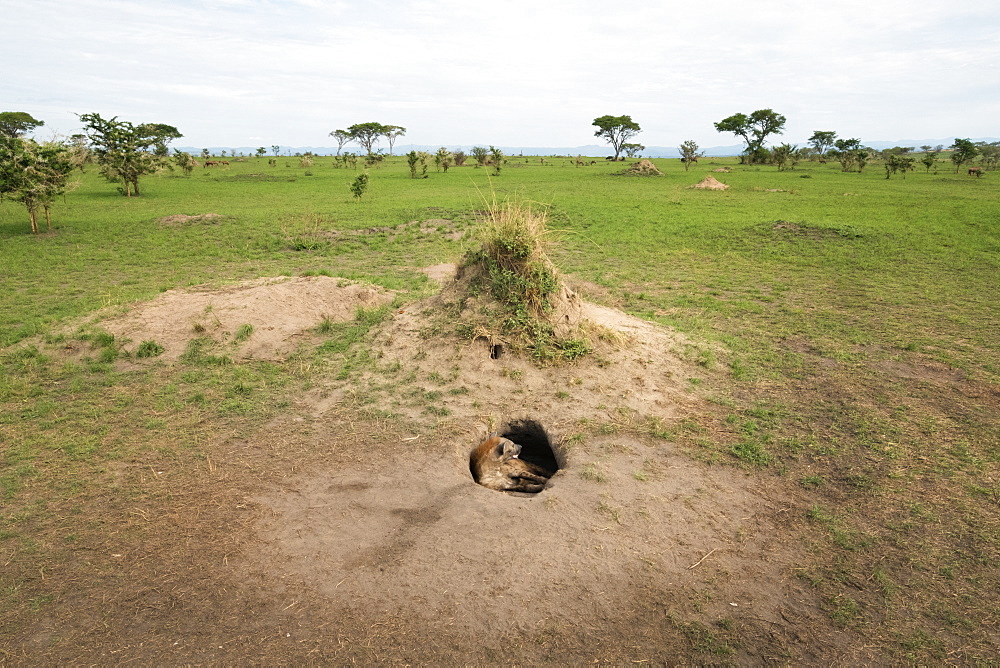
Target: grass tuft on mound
{"x":513,"y":257}
{"x":512,"y":267}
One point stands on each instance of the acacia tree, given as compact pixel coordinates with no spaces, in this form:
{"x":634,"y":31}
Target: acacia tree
{"x":616,"y":130}
{"x":963,"y":151}
{"x":632,"y":150}
{"x":17,"y":123}
{"x":754,"y":130}
{"x":689,"y":153}
{"x":392,"y":133}
{"x":126,"y":152}
{"x":847,"y":153}
{"x":822,"y":141}
{"x":784,"y":156}
{"x":342,"y":137}
{"x":366,"y":134}
{"x":34,"y":174}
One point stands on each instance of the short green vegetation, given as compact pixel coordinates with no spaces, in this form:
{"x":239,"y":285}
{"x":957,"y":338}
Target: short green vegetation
{"x":841,"y":328}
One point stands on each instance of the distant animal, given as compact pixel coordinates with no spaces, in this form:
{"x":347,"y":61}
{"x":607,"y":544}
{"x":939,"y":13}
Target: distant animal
{"x":976,"y":171}
{"x":223,"y":162}
{"x":495,"y":464}
{"x":211,"y":163}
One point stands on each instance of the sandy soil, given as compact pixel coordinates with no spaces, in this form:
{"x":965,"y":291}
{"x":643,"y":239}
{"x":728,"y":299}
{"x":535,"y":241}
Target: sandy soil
{"x":330,"y":536}
{"x":281,"y":311}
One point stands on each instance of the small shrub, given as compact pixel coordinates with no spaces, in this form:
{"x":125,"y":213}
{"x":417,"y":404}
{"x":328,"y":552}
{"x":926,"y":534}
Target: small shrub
{"x":244,"y":332}
{"x":149,"y":349}
{"x":360,"y":185}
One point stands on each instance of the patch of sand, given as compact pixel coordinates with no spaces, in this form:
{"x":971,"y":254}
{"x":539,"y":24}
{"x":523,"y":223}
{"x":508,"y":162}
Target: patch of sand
{"x":280,"y":310}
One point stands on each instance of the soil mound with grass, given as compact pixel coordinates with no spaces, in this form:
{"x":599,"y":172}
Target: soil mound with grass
{"x":642,"y":168}
{"x":348,"y":528}
{"x":353,"y":508}
{"x":710,"y":183}
{"x":262,"y":319}
{"x":390,"y":536}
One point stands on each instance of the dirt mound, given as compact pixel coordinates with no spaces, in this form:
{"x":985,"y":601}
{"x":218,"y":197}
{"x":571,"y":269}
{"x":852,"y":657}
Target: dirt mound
{"x":363,"y":538}
{"x":279,"y":311}
{"x":643,"y":168}
{"x":710,"y":183}
{"x":394,"y":521}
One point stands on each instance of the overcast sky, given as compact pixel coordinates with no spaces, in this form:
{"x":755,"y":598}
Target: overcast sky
{"x":506,"y":72}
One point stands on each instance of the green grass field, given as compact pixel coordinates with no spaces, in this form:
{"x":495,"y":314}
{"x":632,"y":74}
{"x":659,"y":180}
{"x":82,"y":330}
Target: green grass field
{"x":849,"y":328}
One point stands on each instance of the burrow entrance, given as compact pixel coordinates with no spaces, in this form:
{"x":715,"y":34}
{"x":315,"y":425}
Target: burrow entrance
{"x":518,"y":457}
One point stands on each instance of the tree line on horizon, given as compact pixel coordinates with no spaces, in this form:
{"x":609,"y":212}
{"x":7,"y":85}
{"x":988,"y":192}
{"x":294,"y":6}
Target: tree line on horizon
{"x":36,"y":173}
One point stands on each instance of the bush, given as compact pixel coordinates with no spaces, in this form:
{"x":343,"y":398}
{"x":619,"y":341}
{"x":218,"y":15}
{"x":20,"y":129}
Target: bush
{"x":149,"y":349}
{"x":360,"y":185}
{"x":519,"y":272}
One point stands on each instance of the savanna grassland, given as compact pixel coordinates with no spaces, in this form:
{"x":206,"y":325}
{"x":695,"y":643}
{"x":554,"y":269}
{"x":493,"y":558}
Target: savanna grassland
{"x":846,"y":340}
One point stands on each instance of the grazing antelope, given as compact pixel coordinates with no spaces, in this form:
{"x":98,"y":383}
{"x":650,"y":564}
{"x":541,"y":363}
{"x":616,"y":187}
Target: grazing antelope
{"x":976,"y":171}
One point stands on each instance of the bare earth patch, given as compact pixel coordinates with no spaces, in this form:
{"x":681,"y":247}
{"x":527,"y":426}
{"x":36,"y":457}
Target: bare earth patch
{"x":280,"y":310}
{"x":183,"y":219}
{"x":349,"y":529}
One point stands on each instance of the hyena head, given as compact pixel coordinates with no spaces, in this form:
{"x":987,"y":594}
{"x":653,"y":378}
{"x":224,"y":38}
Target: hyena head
{"x":507,"y":449}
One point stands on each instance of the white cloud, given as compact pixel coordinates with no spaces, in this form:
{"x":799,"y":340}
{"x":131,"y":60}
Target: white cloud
{"x":510,"y":72}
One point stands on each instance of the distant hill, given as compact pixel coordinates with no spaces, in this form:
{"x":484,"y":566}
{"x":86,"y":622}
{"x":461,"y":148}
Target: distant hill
{"x":590,"y":150}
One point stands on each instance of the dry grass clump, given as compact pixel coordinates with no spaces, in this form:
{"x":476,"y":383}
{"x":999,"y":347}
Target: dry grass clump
{"x":513,"y":254}
{"x":513,"y":269}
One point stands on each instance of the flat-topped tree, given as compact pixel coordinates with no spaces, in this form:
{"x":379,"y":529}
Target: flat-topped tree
{"x":616,"y":130}
{"x":822,"y":141}
{"x":366,"y":134}
{"x":392,"y":133}
{"x":342,"y":137}
{"x":754,"y":130}
{"x":17,"y":123}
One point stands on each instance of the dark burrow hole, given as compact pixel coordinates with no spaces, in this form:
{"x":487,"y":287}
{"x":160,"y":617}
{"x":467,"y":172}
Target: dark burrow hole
{"x":496,"y":351}
{"x":518,"y":457}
